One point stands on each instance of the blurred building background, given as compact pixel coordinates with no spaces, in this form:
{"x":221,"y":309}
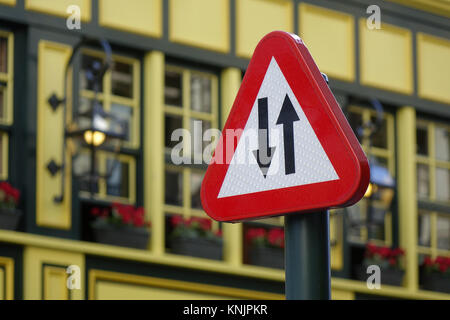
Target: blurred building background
{"x":178,"y":61}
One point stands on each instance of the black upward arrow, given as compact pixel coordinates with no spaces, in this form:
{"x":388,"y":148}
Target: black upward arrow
{"x":264,"y":153}
{"x":287,"y":117}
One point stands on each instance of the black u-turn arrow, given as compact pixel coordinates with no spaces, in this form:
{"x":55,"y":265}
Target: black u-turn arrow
{"x":264,"y":153}
{"x":287,"y":117}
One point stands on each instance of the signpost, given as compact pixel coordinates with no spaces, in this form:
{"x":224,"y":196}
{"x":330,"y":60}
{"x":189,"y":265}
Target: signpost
{"x":287,"y":149}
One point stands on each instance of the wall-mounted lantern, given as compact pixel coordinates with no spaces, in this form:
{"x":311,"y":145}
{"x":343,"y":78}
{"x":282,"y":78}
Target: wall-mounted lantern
{"x":88,"y":128}
{"x":381,"y":189}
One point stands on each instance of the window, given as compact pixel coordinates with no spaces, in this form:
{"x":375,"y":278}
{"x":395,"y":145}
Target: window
{"x":434,"y":233}
{"x":6,"y":98}
{"x":379,"y":148}
{"x":191,"y":103}
{"x":119,"y":95}
{"x":433,"y":185}
{"x":433,"y":161}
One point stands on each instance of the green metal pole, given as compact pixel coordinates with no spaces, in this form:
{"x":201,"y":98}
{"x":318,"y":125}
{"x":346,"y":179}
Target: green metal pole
{"x":307,"y":256}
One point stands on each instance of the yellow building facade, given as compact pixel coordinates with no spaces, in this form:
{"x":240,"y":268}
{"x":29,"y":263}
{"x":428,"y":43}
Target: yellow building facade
{"x":168,"y":56}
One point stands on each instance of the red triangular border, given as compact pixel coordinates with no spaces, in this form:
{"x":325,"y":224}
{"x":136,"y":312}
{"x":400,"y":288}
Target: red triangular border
{"x":328,"y":122}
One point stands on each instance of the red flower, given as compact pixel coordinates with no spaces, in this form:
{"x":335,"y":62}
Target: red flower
{"x":116,"y":206}
{"x":126,"y":217}
{"x":11,"y":194}
{"x":398,"y":252}
{"x":441,"y":260}
{"x":176,"y":221}
{"x":275,"y":237}
{"x":443,"y":268}
{"x":384,"y":252}
{"x":15,"y":194}
{"x":95,"y":211}
{"x":140,"y":211}
{"x":218,"y":233}
{"x":138,"y":221}
{"x":427,"y":261}
{"x":205,"y":224}
{"x":105,"y":213}
{"x":255,"y":233}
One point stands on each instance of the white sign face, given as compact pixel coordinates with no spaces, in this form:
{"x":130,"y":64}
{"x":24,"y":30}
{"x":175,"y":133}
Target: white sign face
{"x":279,"y":135}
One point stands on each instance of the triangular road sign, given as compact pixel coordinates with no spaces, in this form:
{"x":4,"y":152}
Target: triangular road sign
{"x":286,"y":146}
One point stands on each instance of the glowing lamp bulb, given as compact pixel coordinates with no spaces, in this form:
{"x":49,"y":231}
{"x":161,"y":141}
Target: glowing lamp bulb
{"x":96,"y":138}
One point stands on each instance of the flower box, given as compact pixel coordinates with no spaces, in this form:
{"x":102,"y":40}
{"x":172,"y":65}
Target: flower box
{"x":9,"y":218}
{"x":387,"y":259}
{"x":436,"y":274}
{"x":197,"y":247}
{"x":124,"y":236}
{"x":388,"y":276}
{"x":436,"y":282}
{"x":266,"y":247}
{"x":121,"y":225}
{"x":267,"y":257}
{"x":9,"y":200}
{"x":195,"y":237}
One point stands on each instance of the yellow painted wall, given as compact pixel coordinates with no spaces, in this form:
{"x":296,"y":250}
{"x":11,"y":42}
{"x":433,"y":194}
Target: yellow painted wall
{"x":386,"y":57}
{"x":329,"y":36}
{"x":256,"y":18}
{"x":337,"y":250}
{"x":8,"y":2}
{"x":113,"y":285}
{"x":153,"y":147}
{"x":6,"y":278}
{"x":120,"y":291}
{"x":2,"y":285}
{"x":232,"y":232}
{"x":55,"y":280}
{"x":433,"y":68}
{"x":38,"y":276}
{"x":59,"y":7}
{"x":201,"y":23}
{"x":52,"y":60}
{"x":441,"y":7}
{"x":342,"y":295}
{"x":407,"y":199}
{"x":138,"y":16}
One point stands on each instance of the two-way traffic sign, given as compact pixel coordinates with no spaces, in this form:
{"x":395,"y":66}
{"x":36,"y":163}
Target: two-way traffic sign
{"x":286,"y":146}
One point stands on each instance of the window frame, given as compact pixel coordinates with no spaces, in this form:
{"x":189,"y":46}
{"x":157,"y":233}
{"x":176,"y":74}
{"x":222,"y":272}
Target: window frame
{"x":186,"y":113}
{"x":107,"y":98}
{"x":7,"y":122}
{"x":389,"y":155}
{"x":432,"y":163}
{"x":130,"y":151}
{"x":432,"y":250}
{"x":430,"y":160}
